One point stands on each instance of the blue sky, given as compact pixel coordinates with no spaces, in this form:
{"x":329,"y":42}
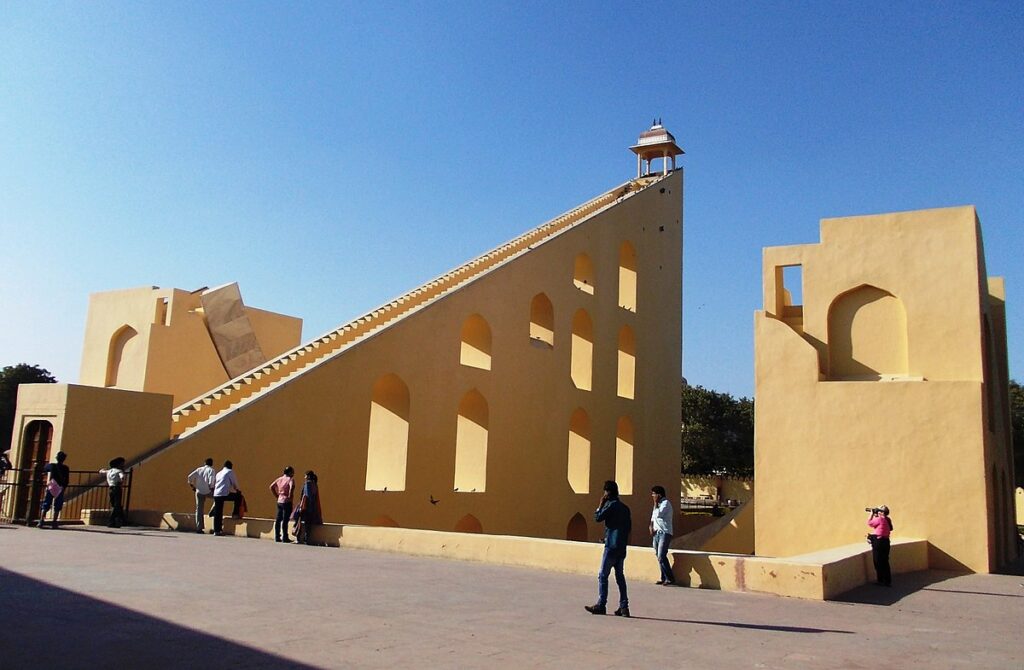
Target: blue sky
{"x":329,"y":157}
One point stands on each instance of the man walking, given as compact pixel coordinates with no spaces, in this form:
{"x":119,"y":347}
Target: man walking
{"x":202,"y":481}
{"x":661,"y":533}
{"x":617,"y":525}
{"x":115,"y":479}
{"x":225,"y":488}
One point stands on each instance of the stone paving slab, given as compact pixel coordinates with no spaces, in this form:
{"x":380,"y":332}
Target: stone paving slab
{"x":147,"y":598}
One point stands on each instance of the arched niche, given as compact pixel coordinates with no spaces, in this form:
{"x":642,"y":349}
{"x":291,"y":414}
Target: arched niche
{"x":578,"y":471}
{"x":388,"y":441}
{"x":576,"y":529}
{"x":471,"y":444}
{"x":867,"y":335}
{"x":582,"y":358}
{"x":624,"y":455}
{"x":542,"y":320}
{"x":122,"y":345}
{"x":469,"y":524}
{"x":627,"y":277}
{"x":627,"y":363}
{"x":583,"y":274}
{"x":476,"y":343}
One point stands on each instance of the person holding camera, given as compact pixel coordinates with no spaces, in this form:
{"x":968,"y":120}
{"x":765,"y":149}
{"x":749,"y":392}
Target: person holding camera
{"x":881,"y":528}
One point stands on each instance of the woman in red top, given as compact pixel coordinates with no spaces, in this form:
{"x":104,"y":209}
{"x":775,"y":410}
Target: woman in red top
{"x":881,"y":528}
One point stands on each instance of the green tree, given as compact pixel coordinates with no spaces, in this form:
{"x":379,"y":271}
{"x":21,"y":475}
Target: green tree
{"x":11,"y":377}
{"x":1017,"y":429}
{"x":718,"y":432}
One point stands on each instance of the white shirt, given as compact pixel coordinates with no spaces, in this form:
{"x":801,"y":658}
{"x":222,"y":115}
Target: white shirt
{"x":661,"y":517}
{"x":203,"y":479}
{"x":226,"y":482}
{"x":115,"y":476}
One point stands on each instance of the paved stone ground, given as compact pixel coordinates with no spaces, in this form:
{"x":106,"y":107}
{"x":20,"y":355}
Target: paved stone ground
{"x":141,"y":598}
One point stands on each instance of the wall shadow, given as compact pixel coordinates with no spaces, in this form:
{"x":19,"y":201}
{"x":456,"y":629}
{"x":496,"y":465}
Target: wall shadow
{"x":748,"y":626}
{"x":40,"y":621}
{"x":902,"y":585}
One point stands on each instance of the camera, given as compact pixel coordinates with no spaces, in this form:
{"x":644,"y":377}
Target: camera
{"x":873,"y":510}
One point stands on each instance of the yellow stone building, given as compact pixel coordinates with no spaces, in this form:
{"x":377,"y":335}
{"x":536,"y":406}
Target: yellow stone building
{"x":495,"y":398}
{"x":887,"y":385}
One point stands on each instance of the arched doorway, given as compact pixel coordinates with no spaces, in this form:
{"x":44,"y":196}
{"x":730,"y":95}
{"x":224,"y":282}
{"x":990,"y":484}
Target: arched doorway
{"x":35,"y":454}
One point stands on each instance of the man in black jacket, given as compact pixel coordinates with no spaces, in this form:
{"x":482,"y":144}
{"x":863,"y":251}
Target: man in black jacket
{"x":617,"y":524}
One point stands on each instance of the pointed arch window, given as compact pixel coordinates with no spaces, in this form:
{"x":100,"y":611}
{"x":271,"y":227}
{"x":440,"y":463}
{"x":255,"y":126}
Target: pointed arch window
{"x":582,"y":358}
{"x":624,"y":455}
{"x":122,"y":349}
{"x":471,"y":444}
{"x":627,"y":277}
{"x":475,"y":349}
{"x":583,"y":274}
{"x":627,"y":363}
{"x":388,"y":443}
{"x":542,"y":320}
{"x":579,"y":452}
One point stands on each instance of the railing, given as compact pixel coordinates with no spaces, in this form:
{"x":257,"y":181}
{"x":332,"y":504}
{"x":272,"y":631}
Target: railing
{"x":22,"y":492}
{"x":715,"y":507}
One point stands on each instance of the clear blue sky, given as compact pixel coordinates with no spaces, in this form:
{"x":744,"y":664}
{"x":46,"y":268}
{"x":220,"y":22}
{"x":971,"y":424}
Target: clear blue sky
{"x":329,"y":157}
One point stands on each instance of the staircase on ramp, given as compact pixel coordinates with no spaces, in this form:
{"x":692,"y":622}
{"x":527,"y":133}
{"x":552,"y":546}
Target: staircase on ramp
{"x":248,"y":387}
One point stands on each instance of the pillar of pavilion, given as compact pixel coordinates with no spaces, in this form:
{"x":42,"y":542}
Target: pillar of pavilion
{"x":655,"y":143}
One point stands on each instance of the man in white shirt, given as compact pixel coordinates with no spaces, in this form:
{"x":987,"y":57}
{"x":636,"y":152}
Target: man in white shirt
{"x":202,"y":480}
{"x":661,"y":531}
{"x":225,"y":488}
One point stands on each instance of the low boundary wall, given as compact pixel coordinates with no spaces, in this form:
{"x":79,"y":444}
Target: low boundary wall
{"x":818,"y":576}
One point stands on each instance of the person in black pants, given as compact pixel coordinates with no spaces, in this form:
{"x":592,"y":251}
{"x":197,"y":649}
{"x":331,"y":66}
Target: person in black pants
{"x":881,"y":528}
{"x":115,"y":480}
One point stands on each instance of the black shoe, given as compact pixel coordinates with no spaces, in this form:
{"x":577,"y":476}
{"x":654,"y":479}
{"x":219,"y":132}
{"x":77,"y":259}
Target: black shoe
{"x":277,"y":539}
{"x":622,"y":611}
{"x":595,"y":609}
{"x":200,"y":531}
{"x":668,"y":584}
{"x":218,"y":534}
{"x":660,"y":582}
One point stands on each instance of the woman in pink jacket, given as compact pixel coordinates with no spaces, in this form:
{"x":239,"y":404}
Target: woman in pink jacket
{"x":881,"y":528}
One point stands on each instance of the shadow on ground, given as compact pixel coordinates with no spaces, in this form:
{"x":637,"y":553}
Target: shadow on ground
{"x":902,"y":586}
{"x":748,"y":626}
{"x":41,"y":621}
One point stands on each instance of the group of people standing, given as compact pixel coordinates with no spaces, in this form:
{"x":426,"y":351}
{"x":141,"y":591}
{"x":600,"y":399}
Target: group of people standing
{"x":223,"y":486}
{"x":617,"y":520}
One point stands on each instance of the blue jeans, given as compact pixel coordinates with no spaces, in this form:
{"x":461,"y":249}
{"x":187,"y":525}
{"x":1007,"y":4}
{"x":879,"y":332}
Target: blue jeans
{"x":612,"y":559}
{"x":661,"y":540}
{"x":58,"y":503}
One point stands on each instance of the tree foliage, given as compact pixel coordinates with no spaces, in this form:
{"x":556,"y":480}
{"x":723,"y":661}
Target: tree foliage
{"x":1017,"y":424}
{"x":11,"y":377}
{"x":718,"y":432}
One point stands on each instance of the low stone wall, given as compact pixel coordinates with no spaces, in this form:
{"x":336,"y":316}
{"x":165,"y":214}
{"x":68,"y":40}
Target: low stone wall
{"x":708,"y":486}
{"x":818,"y":576}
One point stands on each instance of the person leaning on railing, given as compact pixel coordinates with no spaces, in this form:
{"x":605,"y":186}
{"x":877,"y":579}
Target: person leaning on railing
{"x":57,"y":477}
{"x":115,"y":480}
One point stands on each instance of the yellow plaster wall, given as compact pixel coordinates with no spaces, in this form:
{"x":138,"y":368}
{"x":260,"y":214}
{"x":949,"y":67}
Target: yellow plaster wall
{"x":825,"y":449}
{"x":93,"y":425}
{"x":321,"y":419}
{"x":172,"y":352}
